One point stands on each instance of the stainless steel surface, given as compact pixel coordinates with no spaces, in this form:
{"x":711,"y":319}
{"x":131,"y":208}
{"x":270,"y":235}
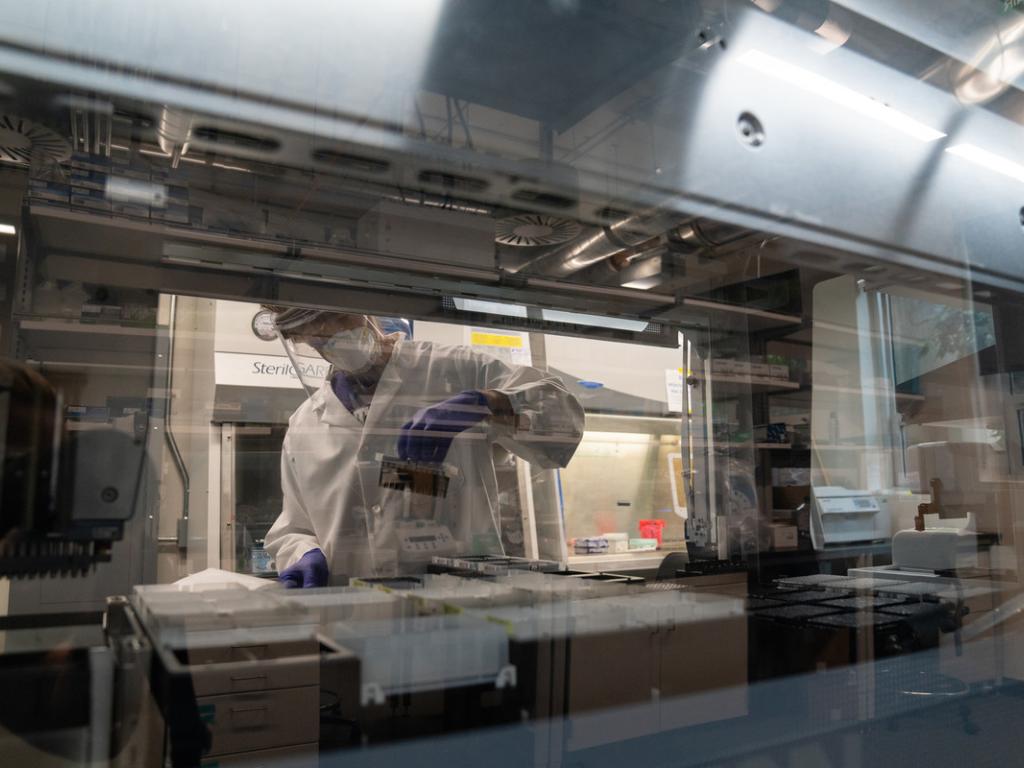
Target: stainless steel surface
{"x":172,"y":442}
{"x":686,"y":93}
{"x":228,"y":478}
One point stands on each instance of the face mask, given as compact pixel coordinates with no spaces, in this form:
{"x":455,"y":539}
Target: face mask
{"x":353,"y":350}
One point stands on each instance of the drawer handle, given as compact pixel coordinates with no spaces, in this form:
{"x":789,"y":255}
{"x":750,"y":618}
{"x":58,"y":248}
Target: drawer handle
{"x":248,"y":717}
{"x":248,"y":682}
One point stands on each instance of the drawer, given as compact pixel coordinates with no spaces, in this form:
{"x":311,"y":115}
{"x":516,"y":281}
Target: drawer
{"x":245,"y":722}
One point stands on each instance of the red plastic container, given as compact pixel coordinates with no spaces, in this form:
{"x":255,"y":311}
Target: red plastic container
{"x":651,"y":529}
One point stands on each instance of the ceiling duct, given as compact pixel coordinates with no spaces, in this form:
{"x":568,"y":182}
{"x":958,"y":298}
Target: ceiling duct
{"x":607,"y":251}
{"x":92,"y":123}
{"x":23,"y":142}
{"x":173,"y":133}
{"x":662,"y":259}
{"x":705,"y":234}
{"x":631,"y":233}
{"x":532,"y":230}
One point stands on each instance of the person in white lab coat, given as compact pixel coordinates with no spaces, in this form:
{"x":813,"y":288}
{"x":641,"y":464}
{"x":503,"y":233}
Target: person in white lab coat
{"x":386,"y":397}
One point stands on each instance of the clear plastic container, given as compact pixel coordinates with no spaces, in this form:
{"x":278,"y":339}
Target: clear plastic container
{"x":231,"y":616}
{"x":424,"y":652}
{"x":613,"y":614}
{"x":331,"y":604}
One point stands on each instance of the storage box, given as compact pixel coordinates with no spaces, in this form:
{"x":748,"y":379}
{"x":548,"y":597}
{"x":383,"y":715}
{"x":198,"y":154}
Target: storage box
{"x":783,"y":536}
{"x":617,"y":542}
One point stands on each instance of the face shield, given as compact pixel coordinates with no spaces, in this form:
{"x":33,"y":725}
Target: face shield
{"x":319,"y":342}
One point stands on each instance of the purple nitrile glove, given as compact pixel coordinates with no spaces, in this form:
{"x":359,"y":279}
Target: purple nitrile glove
{"x":430,"y":433}
{"x":344,"y":391}
{"x":309,"y":571}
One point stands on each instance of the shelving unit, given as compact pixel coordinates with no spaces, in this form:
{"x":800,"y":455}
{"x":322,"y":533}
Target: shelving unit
{"x":752,"y":396}
{"x":72,"y":343}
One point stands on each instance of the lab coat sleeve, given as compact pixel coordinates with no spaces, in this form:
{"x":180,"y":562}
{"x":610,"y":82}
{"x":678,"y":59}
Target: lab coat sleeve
{"x":548,"y":423}
{"x":292,"y":535}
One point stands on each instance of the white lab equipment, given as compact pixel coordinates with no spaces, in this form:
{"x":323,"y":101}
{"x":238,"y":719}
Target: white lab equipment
{"x":844,"y":516}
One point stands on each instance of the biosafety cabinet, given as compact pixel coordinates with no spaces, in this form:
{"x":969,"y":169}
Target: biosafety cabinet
{"x":769,"y":248}
{"x":627,"y":469}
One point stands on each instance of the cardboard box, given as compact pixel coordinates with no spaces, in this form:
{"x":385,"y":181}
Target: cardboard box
{"x":760,"y":370}
{"x":784,"y":536}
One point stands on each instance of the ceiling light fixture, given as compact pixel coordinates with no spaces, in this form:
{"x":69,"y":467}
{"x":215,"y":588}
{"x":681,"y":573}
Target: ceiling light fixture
{"x":839,"y":94}
{"x":988,"y":160}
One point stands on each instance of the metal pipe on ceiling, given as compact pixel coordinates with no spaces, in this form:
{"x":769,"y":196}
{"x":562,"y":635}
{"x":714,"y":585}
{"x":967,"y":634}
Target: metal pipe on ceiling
{"x":607,"y":252}
{"x":599,"y":244}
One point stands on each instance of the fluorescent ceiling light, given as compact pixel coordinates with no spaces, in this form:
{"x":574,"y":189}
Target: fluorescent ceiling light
{"x":598,"y":321}
{"x":839,"y":94}
{"x":988,"y":160}
{"x":644,"y":283}
{"x":227,"y":167}
{"x":7,"y":229}
{"x":490,"y":307}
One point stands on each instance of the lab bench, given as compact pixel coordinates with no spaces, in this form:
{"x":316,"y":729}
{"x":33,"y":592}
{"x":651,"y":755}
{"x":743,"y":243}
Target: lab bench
{"x":646,"y":561}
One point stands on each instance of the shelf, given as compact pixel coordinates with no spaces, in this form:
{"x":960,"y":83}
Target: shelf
{"x":69,"y":365}
{"x":57,"y":343}
{"x":865,"y":390}
{"x":56,"y":325}
{"x":738,"y":385}
{"x":858,"y":448}
{"x":757,"y":319}
{"x":757,"y":446}
{"x":757,"y":385}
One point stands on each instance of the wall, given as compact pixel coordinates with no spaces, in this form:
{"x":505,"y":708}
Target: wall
{"x":629,"y":368}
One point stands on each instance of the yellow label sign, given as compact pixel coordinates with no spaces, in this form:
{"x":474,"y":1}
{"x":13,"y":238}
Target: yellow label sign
{"x":479,"y":339}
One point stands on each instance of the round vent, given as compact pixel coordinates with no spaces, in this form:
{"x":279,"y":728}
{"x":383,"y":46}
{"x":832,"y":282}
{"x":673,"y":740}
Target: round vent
{"x":22,"y":141}
{"x":530,"y":230}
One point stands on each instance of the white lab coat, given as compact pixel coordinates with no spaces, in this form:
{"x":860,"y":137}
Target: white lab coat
{"x":330,"y":462}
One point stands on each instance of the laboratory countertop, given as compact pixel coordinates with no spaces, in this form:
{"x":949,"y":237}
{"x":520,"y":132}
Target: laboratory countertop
{"x":621,"y":561}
